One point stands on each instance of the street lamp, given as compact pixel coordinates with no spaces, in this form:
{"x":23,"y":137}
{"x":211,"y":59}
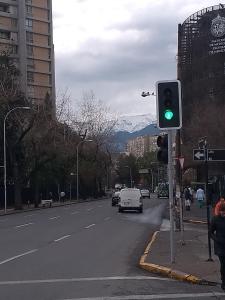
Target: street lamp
{"x":4,"y":144}
{"x":130,"y":175}
{"x":78,"y":165}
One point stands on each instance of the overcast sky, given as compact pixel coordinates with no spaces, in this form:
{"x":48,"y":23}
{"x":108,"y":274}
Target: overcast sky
{"x":118,"y":48}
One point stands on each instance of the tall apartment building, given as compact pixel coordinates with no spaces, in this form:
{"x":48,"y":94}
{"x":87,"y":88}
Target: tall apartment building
{"x":26,"y":31}
{"x":141,"y":144}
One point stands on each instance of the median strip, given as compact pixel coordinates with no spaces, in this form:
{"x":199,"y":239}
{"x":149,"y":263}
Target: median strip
{"x":24,"y":225}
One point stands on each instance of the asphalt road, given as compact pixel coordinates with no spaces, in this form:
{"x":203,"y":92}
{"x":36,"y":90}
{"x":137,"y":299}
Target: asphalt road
{"x":85,"y":251}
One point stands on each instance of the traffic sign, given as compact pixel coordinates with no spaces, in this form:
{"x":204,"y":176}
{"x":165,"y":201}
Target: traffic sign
{"x":198,"y":154}
{"x":216,"y":154}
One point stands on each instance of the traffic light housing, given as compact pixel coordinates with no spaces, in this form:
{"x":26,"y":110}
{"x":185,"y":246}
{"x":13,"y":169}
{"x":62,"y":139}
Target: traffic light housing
{"x":162,"y":154}
{"x":169,"y":113}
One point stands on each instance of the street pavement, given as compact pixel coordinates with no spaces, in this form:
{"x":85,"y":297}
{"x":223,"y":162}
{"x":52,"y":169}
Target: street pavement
{"x":192,"y":259}
{"x":85,"y":251}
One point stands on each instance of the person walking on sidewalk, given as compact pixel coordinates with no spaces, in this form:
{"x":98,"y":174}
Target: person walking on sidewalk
{"x":187,"y":199}
{"x":218,"y":204}
{"x":200,"y":196}
{"x":217,"y":233}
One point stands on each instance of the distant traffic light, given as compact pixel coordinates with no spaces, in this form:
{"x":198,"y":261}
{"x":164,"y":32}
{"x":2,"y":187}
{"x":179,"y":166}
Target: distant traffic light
{"x":168,"y":95}
{"x":162,"y":143}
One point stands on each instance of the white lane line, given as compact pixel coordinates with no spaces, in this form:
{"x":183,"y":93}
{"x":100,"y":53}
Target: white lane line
{"x":62,"y":238}
{"x":53,"y":218}
{"x":108,"y":218}
{"x":29,"y":216}
{"x":74,"y":212}
{"x":151,"y":297}
{"x":89,"y":226}
{"x":99,"y":205}
{"x":24,"y":225}
{"x":18,"y":256}
{"x":38,"y":281}
{"x":89,"y":209}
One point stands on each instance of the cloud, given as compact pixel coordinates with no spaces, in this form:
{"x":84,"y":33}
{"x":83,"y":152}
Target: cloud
{"x":118,"y":48}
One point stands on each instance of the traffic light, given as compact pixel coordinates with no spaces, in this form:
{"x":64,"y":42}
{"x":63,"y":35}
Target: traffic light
{"x":162,"y":143}
{"x":168,"y":95}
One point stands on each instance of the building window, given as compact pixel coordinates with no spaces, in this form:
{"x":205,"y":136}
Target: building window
{"x":14,"y":23}
{"x":29,"y":23}
{"x":29,"y":36}
{"x":14,"y":49}
{"x":30,"y":64}
{"x":29,"y":9}
{"x":5,"y":35}
{"x":30,"y":91}
{"x":30,"y":50}
{"x":4,"y":8}
{"x":29,"y":2}
{"x":30,"y":76}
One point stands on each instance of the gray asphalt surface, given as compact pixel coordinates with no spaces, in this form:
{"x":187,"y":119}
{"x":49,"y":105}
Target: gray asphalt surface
{"x":86,"y":250}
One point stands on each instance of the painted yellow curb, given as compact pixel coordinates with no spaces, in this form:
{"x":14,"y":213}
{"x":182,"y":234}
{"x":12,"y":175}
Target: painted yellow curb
{"x":175,"y":274}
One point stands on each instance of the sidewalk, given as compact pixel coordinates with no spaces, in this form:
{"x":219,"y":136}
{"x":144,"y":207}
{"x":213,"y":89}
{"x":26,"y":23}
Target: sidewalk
{"x":190,"y":258}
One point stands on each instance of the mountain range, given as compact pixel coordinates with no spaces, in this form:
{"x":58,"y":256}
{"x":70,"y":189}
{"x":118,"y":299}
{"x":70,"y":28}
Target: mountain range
{"x":130,"y":127}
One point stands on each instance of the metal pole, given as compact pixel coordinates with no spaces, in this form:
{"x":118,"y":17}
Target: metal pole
{"x":171,"y":202}
{"x":207,"y":202}
{"x":78,"y":172}
{"x":5,"y":188}
{"x":131,"y":178}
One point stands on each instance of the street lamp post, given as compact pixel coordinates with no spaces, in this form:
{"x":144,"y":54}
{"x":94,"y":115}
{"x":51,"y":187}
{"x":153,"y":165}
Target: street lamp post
{"x":130,"y":175}
{"x":78,"y":165}
{"x":4,"y":144}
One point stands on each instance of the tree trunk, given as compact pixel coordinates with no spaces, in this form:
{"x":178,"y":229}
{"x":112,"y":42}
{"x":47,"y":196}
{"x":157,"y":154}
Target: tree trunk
{"x":36,"y":191}
{"x":17,"y":188}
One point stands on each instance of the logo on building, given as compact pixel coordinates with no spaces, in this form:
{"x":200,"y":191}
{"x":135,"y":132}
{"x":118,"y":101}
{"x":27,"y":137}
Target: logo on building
{"x":218,"y":26}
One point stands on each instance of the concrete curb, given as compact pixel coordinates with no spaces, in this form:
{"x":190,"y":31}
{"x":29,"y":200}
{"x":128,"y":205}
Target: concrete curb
{"x":169,"y":272}
{"x":195,"y":221}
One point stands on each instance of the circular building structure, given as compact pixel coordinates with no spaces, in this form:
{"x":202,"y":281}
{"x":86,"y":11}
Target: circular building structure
{"x":201,"y":70}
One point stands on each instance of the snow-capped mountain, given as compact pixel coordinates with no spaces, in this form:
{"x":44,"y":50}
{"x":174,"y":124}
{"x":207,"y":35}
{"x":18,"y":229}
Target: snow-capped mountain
{"x":134,"y":122}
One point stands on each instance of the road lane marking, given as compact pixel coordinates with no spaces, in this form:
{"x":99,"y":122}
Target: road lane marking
{"x":29,"y":216}
{"x":53,"y":218}
{"x":74,"y":212}
{"x":152,"y":297}
{"x":89,"y":226}
{"x":58,"y":280}
{"x":18,"y":256}
{"x":24,"y":225}
{"x":89,"y":209}
{"x":99,"y":205}
{"x":108,"y":218}
{"x":62,"y":238}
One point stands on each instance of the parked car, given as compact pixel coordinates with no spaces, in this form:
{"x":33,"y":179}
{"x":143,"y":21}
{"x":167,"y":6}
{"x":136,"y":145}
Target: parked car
{"x":115,"y":198}
{"x":130,"y":199}
{"x":145,"y":193}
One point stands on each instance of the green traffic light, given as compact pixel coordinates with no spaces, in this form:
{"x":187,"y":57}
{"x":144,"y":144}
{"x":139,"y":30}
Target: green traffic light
{"x":168,"y":114}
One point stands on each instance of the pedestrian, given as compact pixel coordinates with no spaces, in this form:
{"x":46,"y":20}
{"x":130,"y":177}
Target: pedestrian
{"x":187,"y":199}
{"x":218,"y":204}
{"x":217,"y":233}
{"x":200,"y":196}
{"x":191,"y":194}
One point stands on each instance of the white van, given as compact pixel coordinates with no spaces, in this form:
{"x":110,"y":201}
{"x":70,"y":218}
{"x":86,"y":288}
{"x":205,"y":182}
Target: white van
{"x":130,"y":199}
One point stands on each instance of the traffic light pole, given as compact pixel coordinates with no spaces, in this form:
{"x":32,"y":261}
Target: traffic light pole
{"x":171,"y":202}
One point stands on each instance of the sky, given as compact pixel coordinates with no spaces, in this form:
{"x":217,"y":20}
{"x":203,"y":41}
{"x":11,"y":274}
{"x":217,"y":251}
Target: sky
{"x":117,"y":49}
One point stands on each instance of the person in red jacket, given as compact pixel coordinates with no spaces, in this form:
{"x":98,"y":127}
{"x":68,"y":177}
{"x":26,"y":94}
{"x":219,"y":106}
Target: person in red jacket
{"x":217,"y":233}
{"x":218,"y":204}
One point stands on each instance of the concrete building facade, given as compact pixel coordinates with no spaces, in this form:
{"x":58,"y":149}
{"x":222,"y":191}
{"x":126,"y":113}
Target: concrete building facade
{"x":142,"y":144}
{"x":26,"y":32}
